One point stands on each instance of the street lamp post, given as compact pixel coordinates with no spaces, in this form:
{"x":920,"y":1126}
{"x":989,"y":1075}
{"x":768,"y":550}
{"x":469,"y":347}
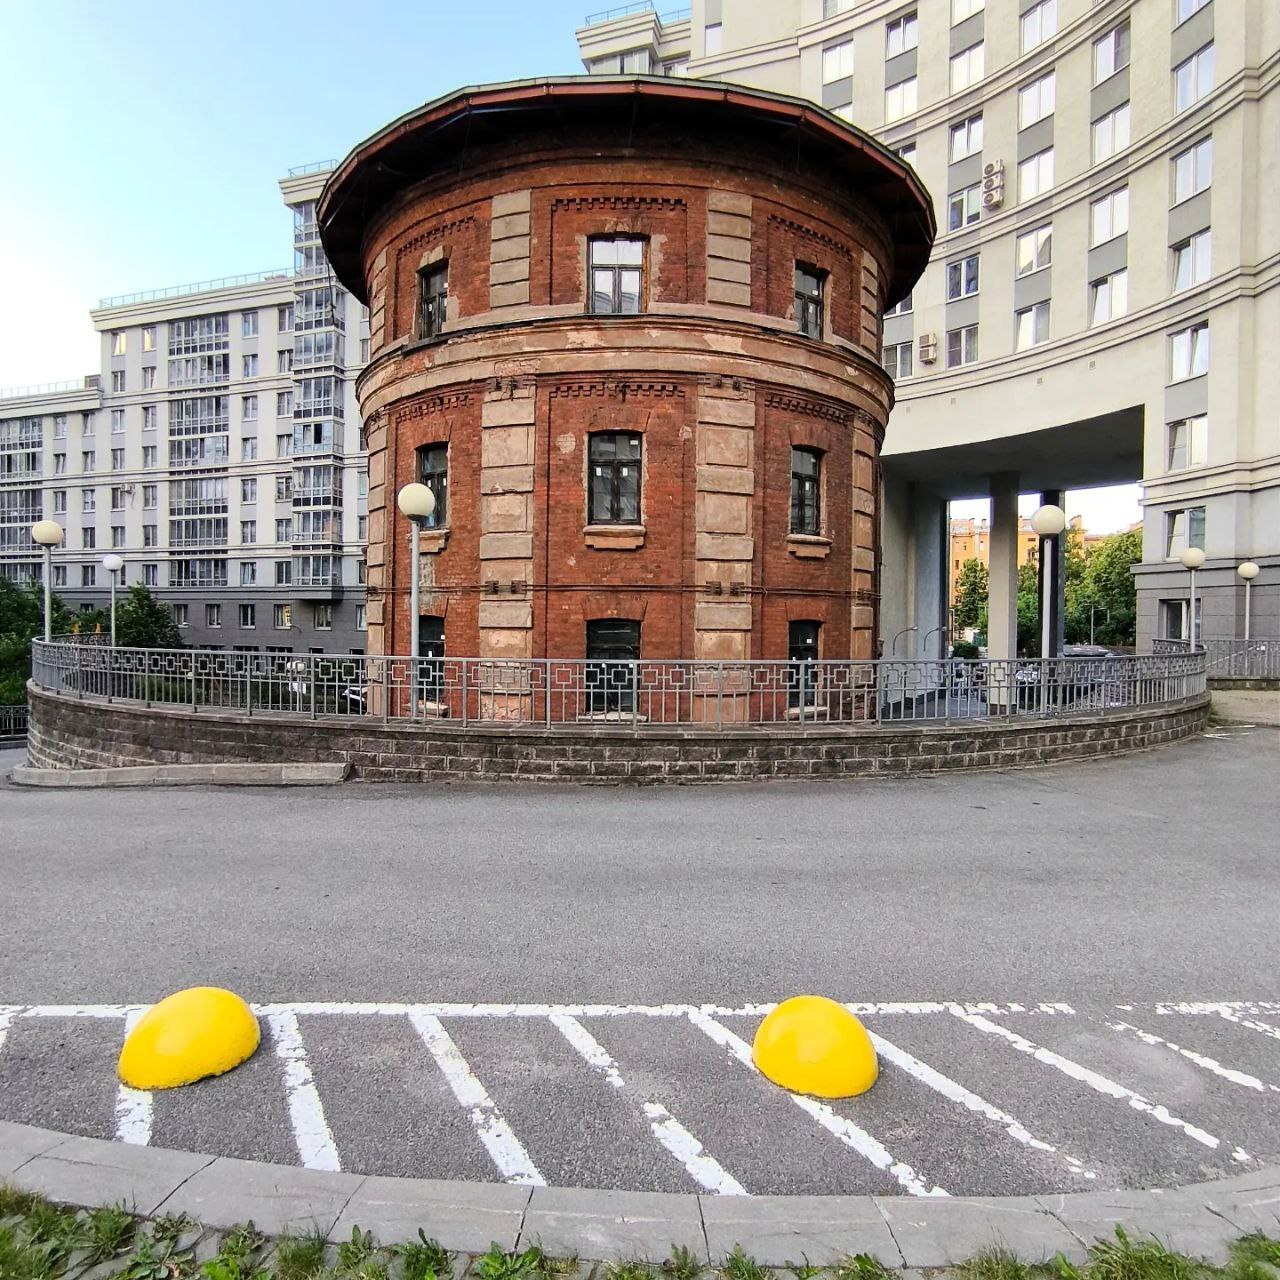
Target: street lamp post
{"x":48,"y":534}
{"x":113,"y":564}
{"x":1248,"y":571}
{"x":1049,"y":522}
{"x":418,"y":503}
{"x":1191,"y":559}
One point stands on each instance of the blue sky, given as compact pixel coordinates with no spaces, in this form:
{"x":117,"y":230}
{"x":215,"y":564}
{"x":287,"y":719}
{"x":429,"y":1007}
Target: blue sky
{"x":141,"y":143}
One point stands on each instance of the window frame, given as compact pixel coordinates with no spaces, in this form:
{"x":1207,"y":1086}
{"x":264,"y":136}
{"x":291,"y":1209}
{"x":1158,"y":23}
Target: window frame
{"x":1109,"y":283}
{"x":1199,"y":91}
{"x":1036,"y":310}
{"x":1038,"y":161}
{"x":810,"y":306}
{"x":966,"y":344}
{"x":965,"y":128}
{"x":624,"y":499}
{"x":962,"y":197}
{"x":908,"y":25}
{"x":1196,"y":252}
{"x":806,"y":492}
{"x":1195,"y":447}
{"x":1039,"y":244}
{"x":1197,"y":338}
{"x":1037,"y":11}
{"x":1191,"y":155}
{"x":964,"y":61}
{"x":898,"y":102}
{"x":431,"y":307}
{"x":1111,"y":200}
{"x":1120,"y":41}
{"x":1108,"y":128}
{"x":965,"y":274}
{"x":616,"y":271}
{"x":1050,"y":78}
{"x":432,"y":469}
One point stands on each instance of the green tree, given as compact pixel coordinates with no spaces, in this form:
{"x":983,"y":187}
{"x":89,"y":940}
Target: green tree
{"x":143,"y":622}
{"x":1107,"y":585}
{"x":971,"y":595}
{"x":1028,"y":610}
{"x":21,"y":620}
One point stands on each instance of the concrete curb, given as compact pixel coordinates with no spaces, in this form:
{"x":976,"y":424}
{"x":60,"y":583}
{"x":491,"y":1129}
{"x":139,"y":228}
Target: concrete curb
{"x":307,"y":774}
{"x":598,"y":1226}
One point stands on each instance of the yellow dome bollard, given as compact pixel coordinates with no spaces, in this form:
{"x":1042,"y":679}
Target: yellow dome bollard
{"x":813,"y":1045}
{"x":199,"y":1032}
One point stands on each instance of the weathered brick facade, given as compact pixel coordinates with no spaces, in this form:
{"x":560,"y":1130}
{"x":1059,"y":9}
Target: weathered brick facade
{"x":727,"y":193}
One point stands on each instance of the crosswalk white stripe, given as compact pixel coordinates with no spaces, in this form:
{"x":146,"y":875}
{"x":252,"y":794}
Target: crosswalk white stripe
{"x":850,"y":1134}
{"x":503,"y":1146}
{"x":311,"y":1132}
{"x":7,"y":1014}
{"x":701,"y":1166}
{"x":133,"y":1106}
{"x":1201,"y":1060}
{"x":1093,"y":1079}
{"x":957,"y":1092}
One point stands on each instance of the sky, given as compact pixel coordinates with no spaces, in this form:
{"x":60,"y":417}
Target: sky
{"x":140,"y":147}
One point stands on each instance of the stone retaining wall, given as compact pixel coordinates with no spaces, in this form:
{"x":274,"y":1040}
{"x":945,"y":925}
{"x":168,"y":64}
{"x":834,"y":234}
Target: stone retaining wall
{"x":70,"y":733}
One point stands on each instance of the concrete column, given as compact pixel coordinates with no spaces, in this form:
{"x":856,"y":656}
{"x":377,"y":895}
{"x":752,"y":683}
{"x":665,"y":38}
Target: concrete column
{"x":1002,"y":606}
{"x":1055,"y":564}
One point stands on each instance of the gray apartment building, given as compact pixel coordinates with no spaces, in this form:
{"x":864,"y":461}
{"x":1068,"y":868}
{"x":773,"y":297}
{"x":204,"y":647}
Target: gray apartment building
{"x":1102,"y":305}
{"x":219,"y":452}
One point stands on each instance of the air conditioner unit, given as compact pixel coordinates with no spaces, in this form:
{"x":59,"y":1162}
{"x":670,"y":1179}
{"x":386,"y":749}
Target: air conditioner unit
{"x":992,"y":199}
{"x":928,"y":348}
{"x":993,"y":184}
{"x":993,"y":168}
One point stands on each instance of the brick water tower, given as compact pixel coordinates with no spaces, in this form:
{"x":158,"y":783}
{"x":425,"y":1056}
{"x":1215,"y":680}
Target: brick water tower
{"x":628,"y":332}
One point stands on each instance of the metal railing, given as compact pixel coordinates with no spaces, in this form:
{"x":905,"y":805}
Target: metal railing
{"x":39,"y":389}
{"x":201,"y":286}
{"x":640,"y":6}
{"x":1243,"y":659}
{"x":562,"y":692}
{"x":13,"y":722}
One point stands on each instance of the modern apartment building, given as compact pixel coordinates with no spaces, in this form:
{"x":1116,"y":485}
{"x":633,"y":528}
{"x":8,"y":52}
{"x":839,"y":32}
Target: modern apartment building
{"x":1102,"y":304}
{"x":219,"y":452}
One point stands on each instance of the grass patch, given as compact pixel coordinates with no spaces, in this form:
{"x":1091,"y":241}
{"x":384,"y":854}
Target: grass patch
{"x":738,"y":1266}
{"x":498,"y":1264}
{"x":302,"y":1257}
{"x":682,"y":1263}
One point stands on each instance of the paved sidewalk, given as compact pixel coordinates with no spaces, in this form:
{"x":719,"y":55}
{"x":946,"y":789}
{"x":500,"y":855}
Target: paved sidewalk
{"x":466,"y":1217}
{"x":1252,"y":706}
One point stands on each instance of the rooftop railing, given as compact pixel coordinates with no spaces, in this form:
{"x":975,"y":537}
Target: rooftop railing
{"x":201,"y":286}
{"x":316,"y":166}
{"x":41,"y":389}
{"x":616,"y":693}
{"x":641,"y":6}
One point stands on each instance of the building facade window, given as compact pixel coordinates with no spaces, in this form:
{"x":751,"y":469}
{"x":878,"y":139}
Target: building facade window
{"x":965,"y":138}
{"x":1110,"y":133}
{"x":59,"y":464}
{"x":213,"y":615}
{"x":118,"y":343}
{"x":1183,"y":529}
{"x":117,"y":422}
{"x":1188,"y":443}
{"x":1109,"y":297}
{"x":809,"y":288}
{"x":249,"y":366}
{"x":1192,"y":170}
{"x":802,"y":654}
{"x":901,"y":99}
{"x":433,"y":299}
{"x":1185,"y":8}
{"x":248,"y":573}
{"x":1039,"y":23}
{"x":149,"y":337}
{"x":249,"y":324}
{"x":901,"y":34}
{"x":1189,"y":352}
{"x":284,"y":318}
{"x":713,"y":41}
{"x":1193,"y":79}
{"x":150,"y":535}
{"x":117,"y":540}
{"x":1111,"y":53}
{"x":1035,"y":174}
{"x":284,"y":530}
{"x":962,"y":9}
{"x":324,"y":617}
{"x":613,"y":493}
{"x":962,"y":346}
{"x":149,"y":417}
{"x":902,"y":307}
{"x":896,"y":359}
{"x":148,"y":377}
{"x":1191,"y":261}
{"x":284,"y":404}
{"x":616,"y":269}
{"x":59,"y":426}
{"x":248,"y":617}
{"x":150,"y":575}
{"x":837,"y":62}
{"x":181,"y":615}
{"x":1033,"y":250}
{"x":249,"y":490}
{"x":88,"y":575}
{"x":968,"y":67}
{"x":1036,"y":100}
{"x":962,"y":278}
{"x":248,"y":408}
{"x":1031,"y":326}
{"x":117,"y":459}
{"x":964,"y":207}
{"x":613,"y":649}
{"x":806,"y":491}
{"x":248,"y":531}
{"x":59,"y":502}
{"x":249,"y":449}
{"x":433,"y":471}
{"x":1109,"y":216}
{"x":150,"y":497}
{"x":281,"y":617}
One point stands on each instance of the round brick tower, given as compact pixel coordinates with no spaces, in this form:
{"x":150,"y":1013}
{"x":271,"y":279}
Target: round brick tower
{"x":628,"y":331}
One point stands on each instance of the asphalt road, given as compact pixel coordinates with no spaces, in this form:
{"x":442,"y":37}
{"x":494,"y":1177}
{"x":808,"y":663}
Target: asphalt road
{"x":1148,"y":882}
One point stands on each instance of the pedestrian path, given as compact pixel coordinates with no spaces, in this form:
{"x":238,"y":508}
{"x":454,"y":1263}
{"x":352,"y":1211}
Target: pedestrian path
{"x":992,"y":1099}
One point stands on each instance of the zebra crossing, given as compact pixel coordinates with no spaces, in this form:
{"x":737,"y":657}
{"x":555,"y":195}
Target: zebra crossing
{"x":986,"y":1098}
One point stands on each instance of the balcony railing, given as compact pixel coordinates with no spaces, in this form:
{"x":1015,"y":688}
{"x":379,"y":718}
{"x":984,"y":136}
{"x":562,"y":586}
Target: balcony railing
{"x":201,"y":286}
{"x":1243,"y":659}
{"x":641,"y":6}
{"x":637,"y":695}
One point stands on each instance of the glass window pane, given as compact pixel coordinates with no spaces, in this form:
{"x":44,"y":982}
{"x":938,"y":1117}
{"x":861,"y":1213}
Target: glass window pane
{"x":630,"y":252}
{"x":629,"y":291}
{"x":604,"y":253}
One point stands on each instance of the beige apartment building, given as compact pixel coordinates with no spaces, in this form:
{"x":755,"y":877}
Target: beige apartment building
{"x":1102,"y":303}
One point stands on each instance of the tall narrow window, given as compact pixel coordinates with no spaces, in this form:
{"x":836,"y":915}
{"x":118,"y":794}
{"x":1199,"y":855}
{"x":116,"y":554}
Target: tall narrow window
{"x":433,"y":471}
{"x":613,"y":495}
{"x":431,"y":650}
{"x":1111,"y":53}
{"x":802,"y":653}
{"x":1188,"y":442}
{"x":962,"y":278}
{"x":1033,"y":250}
{"x":613,"y":649}
{"x":806,"y":487}
{"x":1031,"y":326}
{"x":809,"y":282}
{"x":433,"y":298}
{"x":617,"y":274}
{"x":1192,"y":170}
{"x":1193,"y":79}
{"x":1191,"y":261}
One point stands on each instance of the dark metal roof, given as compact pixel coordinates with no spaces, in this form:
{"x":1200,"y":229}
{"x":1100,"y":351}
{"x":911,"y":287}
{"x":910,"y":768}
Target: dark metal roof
{"x":420,"y":143}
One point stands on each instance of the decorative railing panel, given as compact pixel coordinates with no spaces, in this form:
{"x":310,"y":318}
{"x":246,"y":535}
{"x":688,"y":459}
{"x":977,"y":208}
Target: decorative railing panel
{"x":558,"y":692}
